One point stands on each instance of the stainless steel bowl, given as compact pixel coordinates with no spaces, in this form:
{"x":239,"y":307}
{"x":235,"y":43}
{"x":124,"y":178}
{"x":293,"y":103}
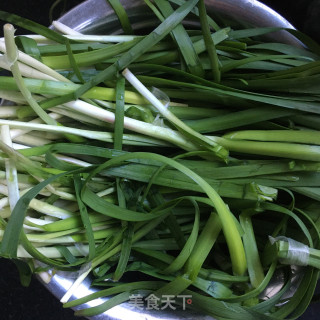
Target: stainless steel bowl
{"x":97,"y":17}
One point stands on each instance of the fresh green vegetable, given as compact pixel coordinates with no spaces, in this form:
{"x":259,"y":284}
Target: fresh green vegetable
{"x":188,"y":156}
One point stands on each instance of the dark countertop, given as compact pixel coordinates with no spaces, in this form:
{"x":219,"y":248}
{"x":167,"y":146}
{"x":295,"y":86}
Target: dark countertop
{"x":35,"y":302}
{"x":32,"y":303}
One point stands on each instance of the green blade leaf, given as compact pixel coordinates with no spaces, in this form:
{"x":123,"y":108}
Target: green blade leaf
{"x":122,"y":16}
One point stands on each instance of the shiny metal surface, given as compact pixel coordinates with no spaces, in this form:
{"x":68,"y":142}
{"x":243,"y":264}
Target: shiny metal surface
{"x":96,"y":16}
{"x":62,"y":281}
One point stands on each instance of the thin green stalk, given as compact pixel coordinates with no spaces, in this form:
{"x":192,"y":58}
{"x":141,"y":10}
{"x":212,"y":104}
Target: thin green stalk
{"x":88,"y":58}
{"x":195,"y":11}
{"x":203,"y":246}
{"x":296,"y":136}
{"x":310,"y":121}
{"x":238,"y":118}
{"x":212,"y":53}
{"x":275,"y":149}
{"x":174,"y":288}
{"x":122,"y":16}
{"x":255,"y":269}
{"x":118,"y":137}
{"x":155,"y":10}
{"x":32,"y":26}
{"x":186,"y":251}
{"x":119,"y":113}
{"x":125,"y":252}
{"x":85,"y":218}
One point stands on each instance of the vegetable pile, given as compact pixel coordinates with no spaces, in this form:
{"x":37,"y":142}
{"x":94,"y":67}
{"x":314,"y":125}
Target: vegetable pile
{"x":185,"y":157}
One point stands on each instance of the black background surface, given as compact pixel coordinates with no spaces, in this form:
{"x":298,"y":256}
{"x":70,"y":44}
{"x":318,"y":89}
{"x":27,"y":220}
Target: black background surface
{"x":35,"y":302}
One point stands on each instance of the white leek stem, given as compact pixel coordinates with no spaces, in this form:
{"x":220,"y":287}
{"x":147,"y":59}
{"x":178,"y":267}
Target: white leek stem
{"x":75,"y":285}
{"x":32,"y":141}
{"x":28,"y":60}
{"x":13,"y":96}
{"x":46,"y":135}
{"x":99,"y":135}
{"x":11,"y":170}
{"x":50,"y":252}
{"x":73,"y":160}
{"x":26,"y":70}
{"x":103,"y":136}
{"x":76,"y":116}
{"x":18,"y":132}
{"x":4,"y":202}
{"x":38,"y":38}
{"x":106,"y":192}
{"x":107,"y":39}
{"x":42,"y":206}
{"x":61,"y":27}
{"x":5,"y":212}
{"x":62,"y":194}
{"x":49,"y":209}
{"x":4,"y":191}
{"x":40,"y":222}
{"x":133,"y":124}
{"x":8,"y":111}
{"x":84,"y":38}
{"x":18,"y":146}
